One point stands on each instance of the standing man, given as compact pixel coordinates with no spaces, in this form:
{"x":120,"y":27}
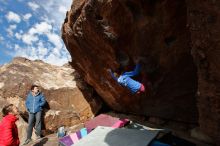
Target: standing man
{"x":34,"y":103}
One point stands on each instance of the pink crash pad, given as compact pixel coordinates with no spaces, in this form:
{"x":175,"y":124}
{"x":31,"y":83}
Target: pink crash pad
{"x":105,"y":120}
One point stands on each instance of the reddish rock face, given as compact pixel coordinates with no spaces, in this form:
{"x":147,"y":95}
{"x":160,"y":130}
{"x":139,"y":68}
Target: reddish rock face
{"x":204,"y":22}
{"x":100,"y":34}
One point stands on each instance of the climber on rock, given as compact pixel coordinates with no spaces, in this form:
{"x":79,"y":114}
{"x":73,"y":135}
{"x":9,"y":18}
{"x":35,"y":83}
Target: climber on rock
{"x":125,"y":79}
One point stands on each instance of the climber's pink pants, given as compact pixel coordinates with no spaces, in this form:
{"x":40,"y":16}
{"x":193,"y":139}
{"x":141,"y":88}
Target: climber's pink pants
{"x":142,"y":89}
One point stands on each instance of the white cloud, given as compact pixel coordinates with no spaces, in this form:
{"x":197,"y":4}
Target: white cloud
{"x":33,"y":5}
{"x":53,"y":59}
{"x":17,"y":47}
{"x":41,"y":28}
{"x":42,"y":50}
{"x":62,"y":9}
{"x":42,"y":53}
{"x":13,"y":17}
{"x":18,"y":35}
{"x":27,"y":16}
{"x":42,"y":43}
{"x":49,"y":6}
{"x":42,"y":40}
{"x":10,"y":29}
{"x":29,"y":38}
{"x":38,"y":29}
{"x":55,"y":39}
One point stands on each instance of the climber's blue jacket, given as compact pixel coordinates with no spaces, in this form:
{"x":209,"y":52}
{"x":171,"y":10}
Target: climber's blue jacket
{"x":34,"y":104}
{"x":126,"y":80}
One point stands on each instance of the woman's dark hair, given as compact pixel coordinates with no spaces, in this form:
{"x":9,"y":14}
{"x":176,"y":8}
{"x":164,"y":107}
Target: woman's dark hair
{"x":33,"y":86}
{"x":7,"y":109}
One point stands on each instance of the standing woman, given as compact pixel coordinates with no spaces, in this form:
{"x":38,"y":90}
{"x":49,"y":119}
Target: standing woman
{"x":8,"y":128}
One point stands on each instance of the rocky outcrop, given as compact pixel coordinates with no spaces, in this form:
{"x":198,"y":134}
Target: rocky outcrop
{"x":203,"y":21}
{"x":69,"y":100}
{"x":100,"y":34}
{"x":178,"y":41}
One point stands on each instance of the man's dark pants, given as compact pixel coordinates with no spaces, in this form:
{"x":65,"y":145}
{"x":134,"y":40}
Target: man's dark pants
{"x":34,"y":118}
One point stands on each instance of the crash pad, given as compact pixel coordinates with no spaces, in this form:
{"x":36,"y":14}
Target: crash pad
{"x":108,"y":136}
{"x":106,"y":120}
{"x":138,"y":126}
{"x":73,"y":137}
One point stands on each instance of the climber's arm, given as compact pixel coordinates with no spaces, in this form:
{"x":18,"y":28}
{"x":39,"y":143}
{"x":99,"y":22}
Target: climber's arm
{"x":112,"y":74}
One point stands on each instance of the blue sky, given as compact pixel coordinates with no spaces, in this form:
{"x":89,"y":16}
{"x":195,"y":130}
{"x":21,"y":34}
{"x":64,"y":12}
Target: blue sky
{"x":31,"y":29}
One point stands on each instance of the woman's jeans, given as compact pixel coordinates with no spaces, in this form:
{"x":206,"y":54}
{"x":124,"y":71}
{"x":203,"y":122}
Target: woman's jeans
{"x":34,"y":117}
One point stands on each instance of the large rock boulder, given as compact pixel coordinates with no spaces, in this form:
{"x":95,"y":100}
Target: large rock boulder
{"x":106,"y":34}
{"x":203,"y":21}
{"x":67,"y":103}
{"x":178,"y":41}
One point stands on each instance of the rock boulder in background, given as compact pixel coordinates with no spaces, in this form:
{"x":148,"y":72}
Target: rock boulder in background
{"x":67,"y":104}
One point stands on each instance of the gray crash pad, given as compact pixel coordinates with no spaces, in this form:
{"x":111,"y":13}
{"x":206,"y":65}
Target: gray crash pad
{"x":107,"y":136}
